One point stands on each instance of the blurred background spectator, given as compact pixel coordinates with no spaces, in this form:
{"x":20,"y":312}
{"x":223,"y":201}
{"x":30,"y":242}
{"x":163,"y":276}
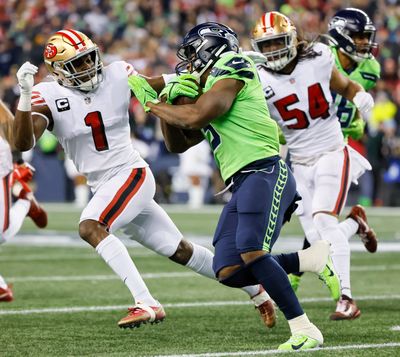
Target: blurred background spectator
{"x":146,"y":33}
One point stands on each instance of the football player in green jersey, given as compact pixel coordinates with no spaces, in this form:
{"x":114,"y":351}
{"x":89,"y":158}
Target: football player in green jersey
{"x":233,"y":117}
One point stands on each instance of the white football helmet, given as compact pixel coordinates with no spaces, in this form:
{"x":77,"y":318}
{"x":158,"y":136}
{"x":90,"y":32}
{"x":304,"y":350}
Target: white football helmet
{"x":272,"y":26}
{"x":63,"y":51}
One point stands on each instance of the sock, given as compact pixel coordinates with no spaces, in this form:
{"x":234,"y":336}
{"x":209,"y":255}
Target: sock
{"x":201,"y":261}
{"x":302,"y":325}
{"x":18,"y":212}
{"x":81,"y":195}
{"x":196,"y":196}
{"x":349,"y":227}
{"x":118,"y":259}
{"x":288,"y":261}
{"x":314,"y":259}
{"x":328,"y":227}
{"x":306,"y":244}
{"x":276,"y":283}
{"x":3,"y":283}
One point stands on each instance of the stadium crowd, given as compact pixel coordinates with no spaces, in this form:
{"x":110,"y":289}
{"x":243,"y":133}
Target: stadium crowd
{"x":145,"y":33}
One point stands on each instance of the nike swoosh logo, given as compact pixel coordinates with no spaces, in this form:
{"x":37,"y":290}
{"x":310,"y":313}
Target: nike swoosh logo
{"x":237,"y":62}
{"x":297,"y":347}
{"x":330,"y":271}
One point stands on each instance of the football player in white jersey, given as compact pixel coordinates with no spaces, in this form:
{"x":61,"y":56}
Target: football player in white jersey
{"x":298,"y":78}
{"x":86,"y":107}
{"x":13,"y":215}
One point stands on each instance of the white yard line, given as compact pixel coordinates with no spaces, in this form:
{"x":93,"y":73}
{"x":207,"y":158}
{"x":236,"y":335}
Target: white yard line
{"x":73,"y":309}
{"x":271,"y":352}
{"x":395,"y":328}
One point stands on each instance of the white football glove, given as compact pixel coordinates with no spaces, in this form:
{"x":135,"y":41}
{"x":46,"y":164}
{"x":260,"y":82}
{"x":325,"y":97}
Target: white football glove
{"x":364,"y":103}
{"x":256,"y":57}
{"x":25,"y":77}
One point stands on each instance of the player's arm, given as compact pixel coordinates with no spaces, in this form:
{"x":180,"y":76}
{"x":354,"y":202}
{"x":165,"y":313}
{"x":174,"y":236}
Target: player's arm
{"x":6,"y":122}
{"x":210,"y":105}
{"x":352,"y":91}
{"x":179,"y":140}
{"x":29,"y":123}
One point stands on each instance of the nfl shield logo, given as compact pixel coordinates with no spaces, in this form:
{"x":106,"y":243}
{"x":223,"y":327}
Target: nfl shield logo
{"x":292,"y":80}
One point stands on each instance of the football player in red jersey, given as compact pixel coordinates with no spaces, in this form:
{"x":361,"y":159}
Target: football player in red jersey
{"x":86,"y":107}
{"x":13,"y":215}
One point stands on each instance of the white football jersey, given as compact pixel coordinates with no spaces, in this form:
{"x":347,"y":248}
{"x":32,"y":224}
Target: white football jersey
{"x":93,"y":128}
{"x":302,"y":105}
{"x":6,"y":164}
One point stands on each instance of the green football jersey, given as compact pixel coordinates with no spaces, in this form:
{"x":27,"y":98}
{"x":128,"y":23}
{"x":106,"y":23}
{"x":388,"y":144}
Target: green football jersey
{"x":366,"y":73}
{"x":246,"y":132}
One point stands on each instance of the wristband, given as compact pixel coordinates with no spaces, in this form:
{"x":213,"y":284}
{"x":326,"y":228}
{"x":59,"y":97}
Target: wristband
{"x":24,"y":104}
{"x":168,"y":77}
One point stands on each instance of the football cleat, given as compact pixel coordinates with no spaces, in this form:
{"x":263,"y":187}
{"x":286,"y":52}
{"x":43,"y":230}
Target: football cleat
{"x":331,"y":279}
{"x":36,"y":212}
{"x":294,"y":281}
{"x":299,"y":342}
{"x":142,"y":314}
{"x":367,"y":234}
{"x":265,"y":307}
{"x":346,"y":309}
{"x":6,"y":294}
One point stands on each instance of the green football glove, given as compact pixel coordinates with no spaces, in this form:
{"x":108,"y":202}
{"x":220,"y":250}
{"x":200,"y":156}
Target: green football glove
{"x":183,"y":85}
{"x":355,"y":130}
{"x":282,"y":139}
{"x":143,"y":91}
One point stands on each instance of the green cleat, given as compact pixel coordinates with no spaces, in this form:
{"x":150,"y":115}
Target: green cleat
{"x":331,"y":280}
{"x":299,"y":342}
{"x":294,"y":281}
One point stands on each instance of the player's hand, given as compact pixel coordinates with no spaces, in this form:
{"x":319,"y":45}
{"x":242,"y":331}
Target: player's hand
{"x":22,"y":173}
{"x":256,"y":57}
{"x":355,"y":129}
{"x":25,"y":77}
{"x":364,"y":103}
{"x":183,"y":85}
{"x":143,"y":91}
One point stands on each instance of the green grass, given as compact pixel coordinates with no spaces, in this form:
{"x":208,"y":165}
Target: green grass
{"x":186,"y":330}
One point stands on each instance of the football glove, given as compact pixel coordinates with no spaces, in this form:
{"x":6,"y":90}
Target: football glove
{"x":256,"y":57}
{"x":23,"y":174}
{"x":364,"y":103}
{"x":25,"y":77}
{"x":183,"y":85}
{"x":355,"y":129}
{"x":143,"y":91}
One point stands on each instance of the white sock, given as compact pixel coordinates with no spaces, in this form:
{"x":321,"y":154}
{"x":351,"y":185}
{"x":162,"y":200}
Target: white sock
{"x":201,"y":261}
{"x":328,"y":227}
{"x":260,"y":297}
{"x":3,"y":283}
{"x":18,"y":212}
{"x":302,"y":325}
{"x":349,"y":227}
{"x":118,"y":259}
{"x":81,"y":195}
{"x":196,"y":196}
{"x":314,"y":258}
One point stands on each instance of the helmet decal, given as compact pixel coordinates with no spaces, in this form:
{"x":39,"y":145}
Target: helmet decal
{"x":50,"y":51}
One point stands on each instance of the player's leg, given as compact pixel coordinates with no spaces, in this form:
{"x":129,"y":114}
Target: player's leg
{"x":154,"y":229}
{"x":261,"y":203}
{"x":6,"y":293}
{"x":115,"y":203}
{"x":332,"y":180}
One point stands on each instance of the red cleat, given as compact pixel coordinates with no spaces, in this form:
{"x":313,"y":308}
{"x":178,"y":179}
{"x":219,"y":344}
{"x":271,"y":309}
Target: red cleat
{"x":36,"y":212}
{"x":6,"y":294}
{"x":367,"y":234}
{"x":142,"y":314}
{"x":346,"y":309}
{"x":265,"y":307}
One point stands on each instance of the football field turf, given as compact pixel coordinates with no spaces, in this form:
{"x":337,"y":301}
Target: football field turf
{"x":68,"y":302}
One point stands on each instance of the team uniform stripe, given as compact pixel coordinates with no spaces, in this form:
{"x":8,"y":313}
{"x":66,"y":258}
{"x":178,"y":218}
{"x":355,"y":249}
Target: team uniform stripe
{"x":7,"y":199}
{"x":81,"y":40}
{"x":344,"y":183}
{"x":263,"y":21}
{"x":271,"y":19}
{"x":123,"y":196}
{"x":63,"y":33}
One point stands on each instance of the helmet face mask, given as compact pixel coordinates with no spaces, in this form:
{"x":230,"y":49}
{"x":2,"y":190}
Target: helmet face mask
{"x":348,"y":28}
{"x":73,"y":60}
{"x":275,"y":28}
{"x":203,"y":45}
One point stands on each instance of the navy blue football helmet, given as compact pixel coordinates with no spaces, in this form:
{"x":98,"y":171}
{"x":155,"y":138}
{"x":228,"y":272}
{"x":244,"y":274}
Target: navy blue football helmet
{"x":203,"y":45}
{"x":347,"y":23}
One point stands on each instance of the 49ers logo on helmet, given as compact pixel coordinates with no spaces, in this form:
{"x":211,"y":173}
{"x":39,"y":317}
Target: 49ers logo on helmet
{"x":50,"y":51}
